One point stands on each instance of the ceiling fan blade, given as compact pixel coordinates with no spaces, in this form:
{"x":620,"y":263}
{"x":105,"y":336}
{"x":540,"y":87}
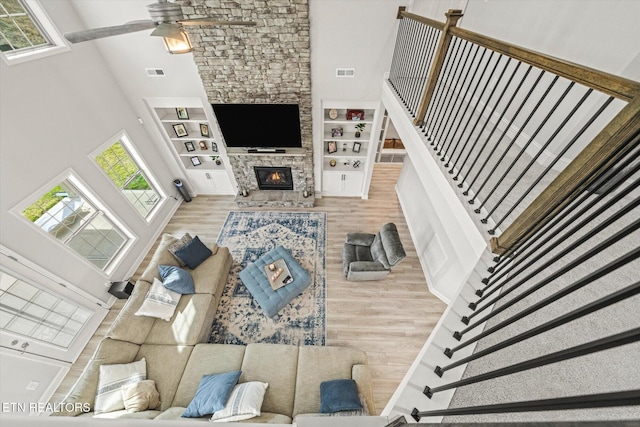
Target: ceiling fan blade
{"x":212,"y":21}
{"x":171,"y":31}
{"x":98,"y":33}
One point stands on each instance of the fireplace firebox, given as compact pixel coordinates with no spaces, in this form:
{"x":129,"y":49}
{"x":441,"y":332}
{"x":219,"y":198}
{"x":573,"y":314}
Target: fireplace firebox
{"x":274,"y":178}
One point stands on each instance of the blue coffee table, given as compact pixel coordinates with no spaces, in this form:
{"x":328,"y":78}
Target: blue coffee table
{"x":255,"y":279}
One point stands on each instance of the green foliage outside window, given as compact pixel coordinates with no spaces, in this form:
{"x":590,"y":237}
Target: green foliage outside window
{"x":35,"y":210}
{"x":17,"y":29}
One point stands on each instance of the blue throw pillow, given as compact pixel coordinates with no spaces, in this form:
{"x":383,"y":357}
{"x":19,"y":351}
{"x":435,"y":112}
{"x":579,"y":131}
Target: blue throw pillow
{"x":212,"y":395}
{"x":176,"y":279}
{"x":194,"y":253}
{"x":339,"y":395}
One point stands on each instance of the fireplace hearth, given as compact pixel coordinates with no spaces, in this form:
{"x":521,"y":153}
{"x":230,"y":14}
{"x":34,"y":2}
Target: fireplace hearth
{"x":274,"y":178}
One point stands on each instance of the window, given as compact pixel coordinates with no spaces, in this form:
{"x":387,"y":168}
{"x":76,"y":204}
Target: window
{"x":120,"y":166}
{"x":66,"y":214}
{"x":18,"y":30}
{"x":26,"y":32}
{"x":35,"y":313}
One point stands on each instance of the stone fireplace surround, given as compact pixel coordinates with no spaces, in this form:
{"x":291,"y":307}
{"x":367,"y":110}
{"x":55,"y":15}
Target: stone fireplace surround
{"x":298,"y":159}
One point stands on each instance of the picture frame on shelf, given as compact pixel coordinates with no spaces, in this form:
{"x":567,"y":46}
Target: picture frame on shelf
{"x":204,"y":130}
{"x":355,"y":115}
{"x":180,"y":129}
{"x":214,"y":147}
{"x":189,"y":146}
{"x":182,"y":113}
{"x":195,"y":161}
{"x":336,"y":132}
{"x":332,"y":147}
{"x":356,"y":147}
{"x":203,"y":145}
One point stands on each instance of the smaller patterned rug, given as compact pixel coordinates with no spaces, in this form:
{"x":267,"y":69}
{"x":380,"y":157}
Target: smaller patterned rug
{"x":248,"y":235}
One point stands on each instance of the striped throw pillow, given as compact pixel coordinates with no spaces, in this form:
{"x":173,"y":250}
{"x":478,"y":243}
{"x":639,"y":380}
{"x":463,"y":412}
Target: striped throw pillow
{"x":160,"y":302}
{"x":111,"y":380}
{"x":244,"y":403}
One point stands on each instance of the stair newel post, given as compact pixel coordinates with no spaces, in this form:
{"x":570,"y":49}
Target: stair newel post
{"x":453,"y":15}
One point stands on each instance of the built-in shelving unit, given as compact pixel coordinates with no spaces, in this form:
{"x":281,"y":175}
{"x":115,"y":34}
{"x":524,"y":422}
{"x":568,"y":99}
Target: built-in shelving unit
{"x":347,"y":158}
{"x":390,"y":147}
{"x":187,"y":127}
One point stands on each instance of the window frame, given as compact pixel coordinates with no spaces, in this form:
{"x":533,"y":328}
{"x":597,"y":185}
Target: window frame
{"x":41,"y":20}
{"x":97,"y":203}
{"x":133,"y":152}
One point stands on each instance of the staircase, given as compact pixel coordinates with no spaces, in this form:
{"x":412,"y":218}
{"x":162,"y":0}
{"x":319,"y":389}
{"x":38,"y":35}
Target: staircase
{"x":545,"y":326}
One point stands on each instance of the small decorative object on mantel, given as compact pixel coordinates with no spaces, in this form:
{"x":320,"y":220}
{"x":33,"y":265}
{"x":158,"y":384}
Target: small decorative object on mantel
{"x":333,"y":114}
{"x":305,"y":192}
{"x":332,"y":163}
{"x":336,"y":132}
{"x":203,"y":145}
{"x":180,"y":130}
{"x":360,"y":128}
{"x":195,"y":161}
{"x":356,"y":164}
{"x":332,"y":147}
{"x":355,"y":115}
{"x":244,"y":192}
{"x":182,"y":113}
{"x":189,"y":146}
{"x":204,"y":130}
{"x":356,"y":147}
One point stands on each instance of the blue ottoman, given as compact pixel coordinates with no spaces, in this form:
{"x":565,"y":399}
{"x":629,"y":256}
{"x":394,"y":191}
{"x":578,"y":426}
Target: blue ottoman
{"x":255,"y":279}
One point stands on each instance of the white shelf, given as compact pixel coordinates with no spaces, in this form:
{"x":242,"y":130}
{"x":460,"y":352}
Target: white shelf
{"x":343,"y":179}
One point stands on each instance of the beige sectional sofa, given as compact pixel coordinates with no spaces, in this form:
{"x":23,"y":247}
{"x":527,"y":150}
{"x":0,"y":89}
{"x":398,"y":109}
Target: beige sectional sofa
{"x":177,"y":355}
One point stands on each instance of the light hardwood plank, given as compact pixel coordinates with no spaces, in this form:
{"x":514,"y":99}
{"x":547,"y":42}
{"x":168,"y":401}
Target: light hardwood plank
{"x":390,"y":320}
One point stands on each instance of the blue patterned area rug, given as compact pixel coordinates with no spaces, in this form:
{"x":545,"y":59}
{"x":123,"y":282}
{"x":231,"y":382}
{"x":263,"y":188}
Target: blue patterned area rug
{"x":248,"y":235}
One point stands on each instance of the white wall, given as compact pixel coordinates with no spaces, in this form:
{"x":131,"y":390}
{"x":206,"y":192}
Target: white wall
{"x":55,"y":111}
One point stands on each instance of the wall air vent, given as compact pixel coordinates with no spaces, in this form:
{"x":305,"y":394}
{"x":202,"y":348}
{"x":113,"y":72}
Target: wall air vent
{"x":155,"y":72}
{"x":345,"y":72}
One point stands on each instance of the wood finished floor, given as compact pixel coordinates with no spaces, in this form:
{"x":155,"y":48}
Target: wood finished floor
{"x":390,"y":320}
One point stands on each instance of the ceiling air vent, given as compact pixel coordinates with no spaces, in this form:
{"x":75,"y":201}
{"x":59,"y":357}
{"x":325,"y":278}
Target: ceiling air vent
{"x":155,"y":72}
{"x":345,"y":72}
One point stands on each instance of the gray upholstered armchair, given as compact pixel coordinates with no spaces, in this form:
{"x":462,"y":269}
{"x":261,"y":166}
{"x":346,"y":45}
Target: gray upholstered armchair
{"x":371,"y":256}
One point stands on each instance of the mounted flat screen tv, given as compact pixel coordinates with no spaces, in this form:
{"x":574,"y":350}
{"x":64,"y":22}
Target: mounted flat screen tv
{"x":259,"y":125}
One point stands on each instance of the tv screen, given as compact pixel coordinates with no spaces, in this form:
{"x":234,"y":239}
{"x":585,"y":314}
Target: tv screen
{"x":259,"y":125}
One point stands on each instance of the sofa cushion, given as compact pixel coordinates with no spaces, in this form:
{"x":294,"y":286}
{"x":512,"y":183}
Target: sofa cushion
{"x":110,"y":381}
{"x":206,"y":359}
{"x":393,"y":248}
{"x":185,"y":326}
{"x":124,"y":415}
{"x":161,"y":256}
{"x":339,"y":395}
{"x":245,"y":402}
{"x":334,"y":363}
{"x":275,"y":364}
{"x":378,"y":252}
{"x":212,"y":394}
{"x":159,"y":302}
{"x":127,"y":326}
{"x":177,"y":279}
{"x":165,"y":365}
{"x":270,"y":418}
{"x":194,"y":253}
{"x":140,"y":396}
{"x":211,"y":276}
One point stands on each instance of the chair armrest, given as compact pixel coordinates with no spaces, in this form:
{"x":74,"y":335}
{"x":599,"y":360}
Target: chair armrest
{"x":360,"y":239}
{"x":357,"y":266}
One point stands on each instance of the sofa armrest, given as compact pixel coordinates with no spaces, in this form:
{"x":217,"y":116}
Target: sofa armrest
{"x":361,"y":374}
{"x":360,"y":239}
{"x":84,"y":390}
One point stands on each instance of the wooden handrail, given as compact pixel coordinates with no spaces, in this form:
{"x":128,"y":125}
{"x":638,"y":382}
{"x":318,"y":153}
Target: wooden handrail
{"x":616,"y":86}
{"x":427,"y":21}
{"x":619,"y":132}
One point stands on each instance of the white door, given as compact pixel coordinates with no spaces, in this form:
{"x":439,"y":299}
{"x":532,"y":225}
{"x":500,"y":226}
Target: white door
{"x":39,"y":316}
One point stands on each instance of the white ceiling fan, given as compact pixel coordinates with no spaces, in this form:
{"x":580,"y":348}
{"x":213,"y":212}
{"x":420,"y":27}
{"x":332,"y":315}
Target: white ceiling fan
{"x":166,"y":21}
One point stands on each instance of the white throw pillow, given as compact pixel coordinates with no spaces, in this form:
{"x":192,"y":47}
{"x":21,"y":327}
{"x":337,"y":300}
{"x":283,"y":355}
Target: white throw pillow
{"x":245,"y":402}
{"x":111,"y":380}
{"x":160,"y":302}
